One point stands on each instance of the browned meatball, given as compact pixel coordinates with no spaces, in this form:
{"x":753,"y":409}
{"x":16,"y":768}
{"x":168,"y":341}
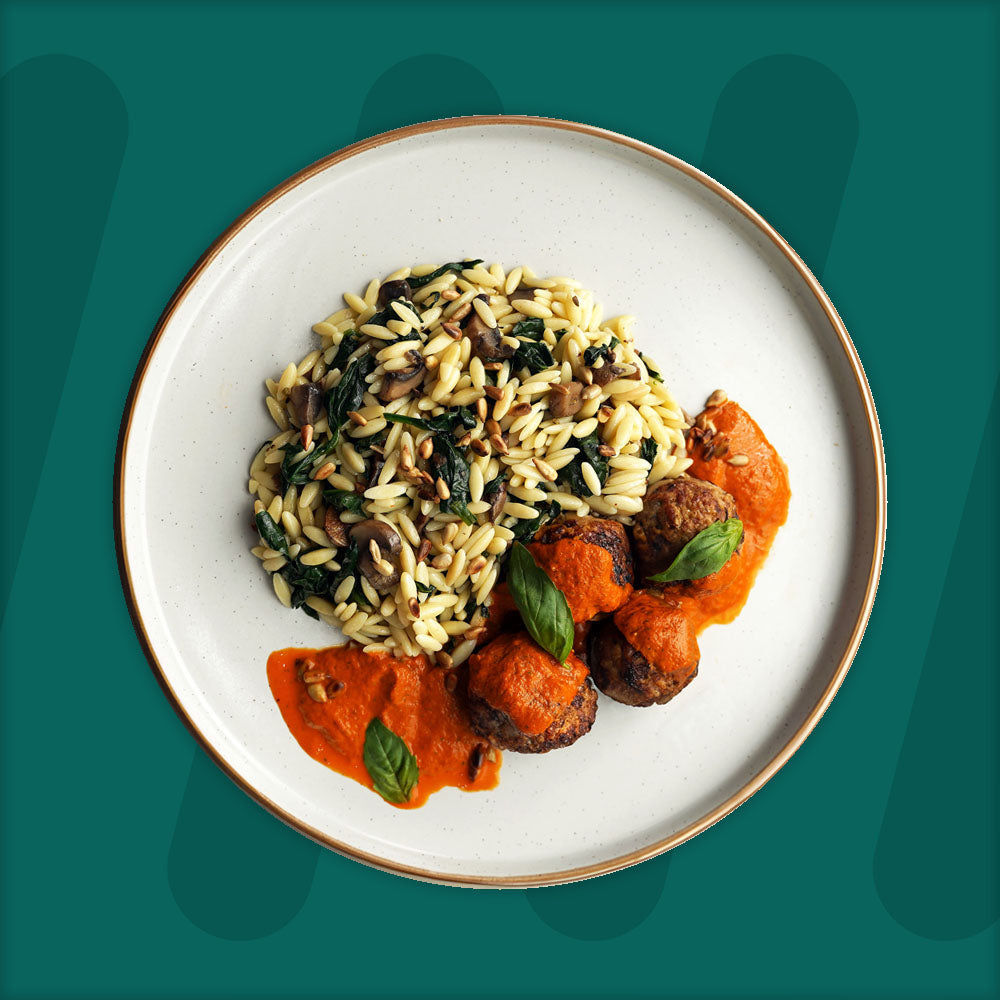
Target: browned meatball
{"x":624,"y":673}
{"x":588,"y":559}
{"x":574,"y":722}
{"x":522,"y":698}
{"x":673,"y":512}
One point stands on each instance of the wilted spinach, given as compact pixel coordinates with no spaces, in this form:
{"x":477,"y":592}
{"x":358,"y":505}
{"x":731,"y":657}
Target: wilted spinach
{"x":605,"y":352}
{"x":524,"y":531}
{"x":533,"y":355}
{"x":346,"y":394}
{"x":654,"y":373}
{"x":444,"y":423}
{"x":299,"y":472}
{"x":573,"y":473}
{"x":647,"y":450}
{"x":426,"y":279}
{"x":531,"y":328}
{"x":348,"y":345}
{"x":341,"y":500}
{"x":348,"y":559}
{"x":271,"y":535}
{"x":450,"y":467}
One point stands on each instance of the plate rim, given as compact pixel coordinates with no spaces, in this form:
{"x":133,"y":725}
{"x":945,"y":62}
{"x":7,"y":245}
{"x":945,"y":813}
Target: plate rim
{"x":784,"y":753}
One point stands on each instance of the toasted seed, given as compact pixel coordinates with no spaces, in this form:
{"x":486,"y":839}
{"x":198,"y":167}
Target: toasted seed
{"x":356,"y":418}
{"x":443,"y":659}
{"x":606,"y":451}
{"x":464,"y":440}
{"x":314,"y":676}
{"x":413,"y":606}
{"x":588,"y":376}
{"x":717,"y":398}
{"x":498,"y":442}
{"x":492,"y":366}
{"x":424,"y":550}
{"x":604,"y":414}
{"x":738,"y":460}
{"x":450,"y":681}
{"x":432,"y":362}
{"x":492,"y":427}
{"x":442,"y":489}
{"x":450,"y":294}
{"x":426,"y":448}
{"x":481,"y":409}
{"x":475,"y":633}
{"x":385,"y":567}
{"x":334,"y":688}
{"x":453,"y":330}
{"x":493,"y":392}
{"x":405,"y":458}
{"x":375,"y":551}
{"x":547,"y":472}
{"x":324,"y":470}
{"x":480,"y":447}
{"x":590,"y":391}
{"x":475,"y":566}
{"x":476,"y":760}
{"x":449,"y":533}
{"x":307,"y":435}
{"x":708,"y":452}
{"x":317,"y":692}
{"x":519,"y":410}
{"x":462,"y":311}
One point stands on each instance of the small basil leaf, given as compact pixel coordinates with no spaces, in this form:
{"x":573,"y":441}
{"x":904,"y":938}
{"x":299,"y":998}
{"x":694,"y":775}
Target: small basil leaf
{"x":271,"y":535}
{"x":426,"y":279}
{"x":391,"y":766}
{"x":706,"y":553}
{"x":531,"y":328}
{"x":542,"y":605}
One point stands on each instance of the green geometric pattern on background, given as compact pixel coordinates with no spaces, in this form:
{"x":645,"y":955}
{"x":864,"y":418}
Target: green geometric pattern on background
{"x":867,"y":867}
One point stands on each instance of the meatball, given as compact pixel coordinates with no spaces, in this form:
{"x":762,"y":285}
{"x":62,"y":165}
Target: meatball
{"x":673,"y":512}
{"x":667,"y":662}
{"x":524,"y":700}
{"x":588,"y":559}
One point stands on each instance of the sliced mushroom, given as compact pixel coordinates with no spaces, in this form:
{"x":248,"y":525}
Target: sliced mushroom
{"x":306,"y":400}
{"x":335,"y":529}
{"x":564,"y":400}
{"x":385,"y":537}
{"x":390,"y":290}
{"x":608,"y":372}
{"x":496,"y":499}
{"x":399,"y":383}
{"x":376,"y":463}
{"x":486,"y":339}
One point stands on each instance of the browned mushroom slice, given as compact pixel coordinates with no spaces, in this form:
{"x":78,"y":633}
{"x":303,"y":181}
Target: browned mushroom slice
{"x":399,"y":383}
{"x":306,"y":400}
{"x":390,"y":290}
{"x":496,"y":498}
{"x":377,"y":572}
{"x":564,"y":400}
{"x":335,"y":529}
{"x":606,"y":373}
{"x":487,"y":342}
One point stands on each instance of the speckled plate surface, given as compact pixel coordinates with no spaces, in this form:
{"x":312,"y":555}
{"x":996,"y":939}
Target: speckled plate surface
{"x":721,"y":302}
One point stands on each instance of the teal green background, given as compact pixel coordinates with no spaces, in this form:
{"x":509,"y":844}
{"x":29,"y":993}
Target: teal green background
{"x":134,"y":135}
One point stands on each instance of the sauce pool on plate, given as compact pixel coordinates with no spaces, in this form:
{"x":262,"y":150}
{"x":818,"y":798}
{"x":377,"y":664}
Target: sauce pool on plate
{"x":410,"y":697}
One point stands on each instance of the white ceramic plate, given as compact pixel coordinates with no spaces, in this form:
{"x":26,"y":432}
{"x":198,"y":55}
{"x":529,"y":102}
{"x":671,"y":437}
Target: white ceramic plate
{"x":721,"y":301}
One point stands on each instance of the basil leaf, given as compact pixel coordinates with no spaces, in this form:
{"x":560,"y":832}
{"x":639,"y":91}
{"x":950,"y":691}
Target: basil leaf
{"x":525,"y":530}
{"x":344,"y":500}
{"x":426,"y":279}
{"x":531,"y":328}
{"x":605,"y":351}
{"x":706,"y":553}
{"x":391,"y":766}
{"x":573,"y":473}
{"x":346,"y":394}
{"x":648,"y":450}
{"x":533,"y":355}
{"x":542,"y":605}
{"x":270,"y":534}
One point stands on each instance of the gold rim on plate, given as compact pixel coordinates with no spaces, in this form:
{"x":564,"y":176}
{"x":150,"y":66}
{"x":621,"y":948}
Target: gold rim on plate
{"x":755,"y":783}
